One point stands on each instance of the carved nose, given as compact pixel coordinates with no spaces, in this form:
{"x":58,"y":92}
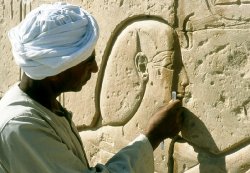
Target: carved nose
{"x":184,"y":80}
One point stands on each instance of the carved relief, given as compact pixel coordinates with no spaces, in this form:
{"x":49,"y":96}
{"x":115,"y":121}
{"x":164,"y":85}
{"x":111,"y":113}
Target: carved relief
{"x":230,"y":2}
{"x":223,"y":14}
{"x":218,"y":48}
{"x":143,"y":67}
{"x":1,"y":11}
{"x":219,"y":96}
{"x":227,"y":10}
{"x":141,"y":60}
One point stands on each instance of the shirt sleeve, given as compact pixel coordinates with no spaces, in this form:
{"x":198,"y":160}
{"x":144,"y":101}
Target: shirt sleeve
{"x":137,"y":157}
{"x":32,"y":146}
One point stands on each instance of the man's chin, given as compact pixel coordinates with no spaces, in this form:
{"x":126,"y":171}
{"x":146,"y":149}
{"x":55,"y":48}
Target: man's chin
{"x":76,"y":89}
{"x":79,"y":88}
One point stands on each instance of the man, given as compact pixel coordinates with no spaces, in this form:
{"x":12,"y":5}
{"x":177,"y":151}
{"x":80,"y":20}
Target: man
{"x":55,"y":47}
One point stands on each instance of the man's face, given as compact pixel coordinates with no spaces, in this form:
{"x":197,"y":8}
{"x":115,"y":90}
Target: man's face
{"x":77,"y":76}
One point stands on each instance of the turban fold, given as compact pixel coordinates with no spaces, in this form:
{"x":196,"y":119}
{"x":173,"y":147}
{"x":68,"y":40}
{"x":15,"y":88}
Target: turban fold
{"x":53,"y":38}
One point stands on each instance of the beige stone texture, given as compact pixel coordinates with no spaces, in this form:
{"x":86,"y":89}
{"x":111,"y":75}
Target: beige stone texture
{"x":146,"y":49}
{"x":10,"y":14}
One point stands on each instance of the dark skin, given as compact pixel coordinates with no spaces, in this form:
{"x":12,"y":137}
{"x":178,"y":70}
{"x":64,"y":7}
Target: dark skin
{"x":165,"y":123}
{"x":46,"y":91}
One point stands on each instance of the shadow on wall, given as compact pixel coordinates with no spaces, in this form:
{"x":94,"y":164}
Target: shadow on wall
{"x":196,"y":134}
{"x":210,"y":157}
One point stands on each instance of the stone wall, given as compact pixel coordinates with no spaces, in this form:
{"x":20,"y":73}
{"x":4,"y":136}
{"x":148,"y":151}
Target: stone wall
{"x":148,"y":48}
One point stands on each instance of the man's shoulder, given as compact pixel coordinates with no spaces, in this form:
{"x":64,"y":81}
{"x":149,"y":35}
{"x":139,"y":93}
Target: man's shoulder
{"x":15,"y":110}
{"x":11,"y":96}
{"x":15,"y":104}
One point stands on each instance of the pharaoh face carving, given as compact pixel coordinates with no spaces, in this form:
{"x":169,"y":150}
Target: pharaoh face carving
{"x":145,"y":65}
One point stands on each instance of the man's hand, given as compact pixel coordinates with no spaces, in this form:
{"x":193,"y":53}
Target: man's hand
{"x":165,"y":123}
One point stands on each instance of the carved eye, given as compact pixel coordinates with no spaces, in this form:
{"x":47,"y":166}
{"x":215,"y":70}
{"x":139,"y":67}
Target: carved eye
{"x":167,"y":63}
{"x":164,"y":59}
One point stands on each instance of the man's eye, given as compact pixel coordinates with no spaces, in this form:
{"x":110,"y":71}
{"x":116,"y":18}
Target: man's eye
{"x":91,"y":59}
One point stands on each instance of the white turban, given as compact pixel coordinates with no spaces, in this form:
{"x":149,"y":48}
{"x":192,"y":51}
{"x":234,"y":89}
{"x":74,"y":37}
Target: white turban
{"x":53,"y":38}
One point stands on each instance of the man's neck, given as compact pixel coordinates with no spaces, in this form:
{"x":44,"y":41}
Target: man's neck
{"x":41,"y":91}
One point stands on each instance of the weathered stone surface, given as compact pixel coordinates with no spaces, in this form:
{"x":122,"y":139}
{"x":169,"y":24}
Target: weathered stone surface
{"x":10,"y":15}
{"x":140,"y":63}
{"x":218,"y":96}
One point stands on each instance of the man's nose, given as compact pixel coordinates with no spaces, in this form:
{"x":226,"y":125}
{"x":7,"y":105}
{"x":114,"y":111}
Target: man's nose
{"x":94,"y":67}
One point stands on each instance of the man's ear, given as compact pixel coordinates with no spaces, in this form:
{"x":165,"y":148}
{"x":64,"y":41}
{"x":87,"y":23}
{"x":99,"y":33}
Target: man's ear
{"x":141,"y":62}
